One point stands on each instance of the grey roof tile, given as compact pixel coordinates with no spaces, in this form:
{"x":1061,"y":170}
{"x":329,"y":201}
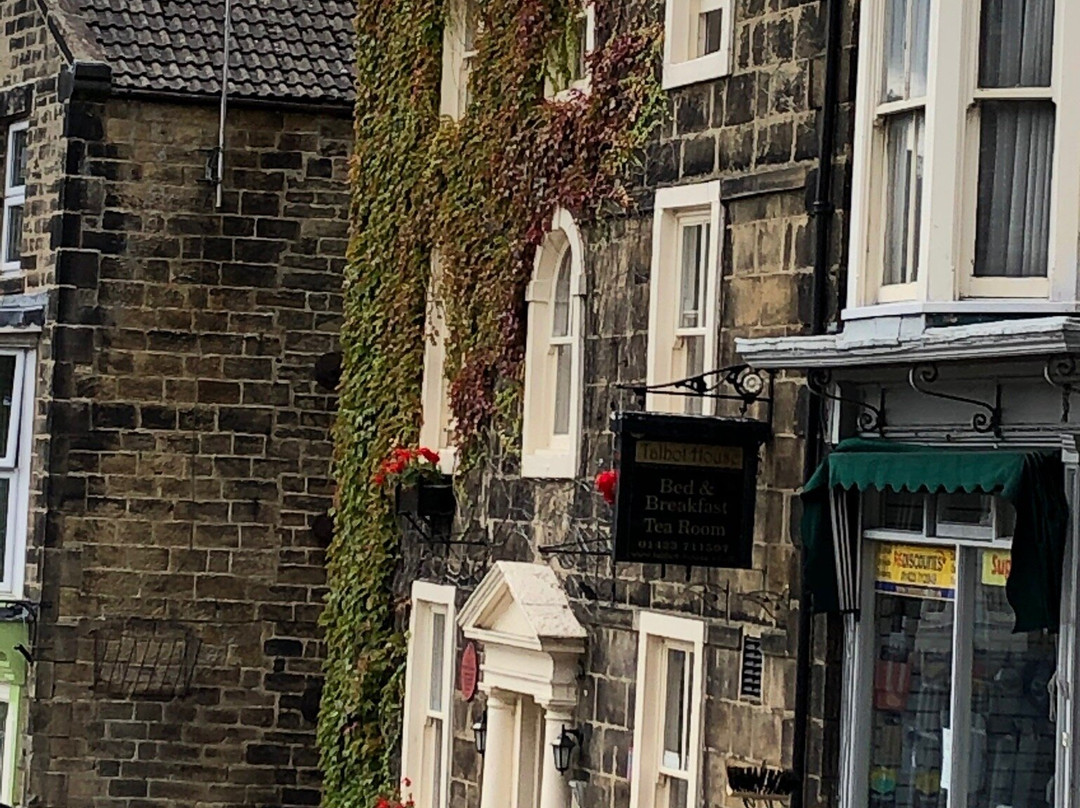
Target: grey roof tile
{"x":302,"y":49}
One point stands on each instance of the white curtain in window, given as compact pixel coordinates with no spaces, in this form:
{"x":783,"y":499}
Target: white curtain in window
{"x":1016,"y":140}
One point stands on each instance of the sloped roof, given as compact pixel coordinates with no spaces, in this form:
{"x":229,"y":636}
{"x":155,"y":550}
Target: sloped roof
{"x":297,"y":50}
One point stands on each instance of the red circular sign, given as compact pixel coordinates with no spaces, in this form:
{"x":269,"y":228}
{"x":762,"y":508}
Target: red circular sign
{"x":468,"y":672}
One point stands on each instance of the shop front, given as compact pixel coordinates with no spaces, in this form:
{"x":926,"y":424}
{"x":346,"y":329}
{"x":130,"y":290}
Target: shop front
{"x":939,"y":527}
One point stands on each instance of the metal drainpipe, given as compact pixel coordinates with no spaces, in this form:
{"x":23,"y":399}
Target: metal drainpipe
{"x":223,"y":112}
{"x":822,"y":210}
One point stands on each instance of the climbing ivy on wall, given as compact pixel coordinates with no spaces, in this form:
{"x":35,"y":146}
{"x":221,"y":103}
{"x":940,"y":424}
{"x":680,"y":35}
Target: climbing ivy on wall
{"x":480,"y":192}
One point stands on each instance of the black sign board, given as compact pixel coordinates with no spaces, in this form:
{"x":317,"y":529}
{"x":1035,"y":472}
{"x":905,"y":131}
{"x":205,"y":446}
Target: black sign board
{"x":687,"y":487}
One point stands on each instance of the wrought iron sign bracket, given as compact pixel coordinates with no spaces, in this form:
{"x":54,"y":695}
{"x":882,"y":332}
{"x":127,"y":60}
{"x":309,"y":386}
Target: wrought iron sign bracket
{"x":740,"y":383}
{"x":1062,"y":372}
{"x":869,"y":419}
{"x":986,"y":421}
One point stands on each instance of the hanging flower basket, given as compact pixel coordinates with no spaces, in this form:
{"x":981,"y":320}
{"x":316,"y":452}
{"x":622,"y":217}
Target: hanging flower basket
{"x":426,"y":498}
{"x":420,"y":488}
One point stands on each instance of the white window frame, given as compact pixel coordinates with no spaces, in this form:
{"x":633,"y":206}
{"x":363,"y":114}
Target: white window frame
{"x":12,"y":695}
{"x":427,"y":599}
{"x":680,"y":67}
{"x":457,"y":61}
{"x":13,"y":195}
{"x":15,"y":465}
{"x":674,"y":207}
{"x":544,"y":454}
{"x":657,"y":633}
{"x":858,"y":676}
{"x":946,"y":273}
{"x":584,"y":83}
{"x":437,"y":424}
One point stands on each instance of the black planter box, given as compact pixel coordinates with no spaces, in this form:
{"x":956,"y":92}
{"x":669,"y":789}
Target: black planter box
{"x":426,"y":498}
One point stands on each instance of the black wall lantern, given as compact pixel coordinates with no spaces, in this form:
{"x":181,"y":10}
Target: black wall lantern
{"x":480,"y":733}
{"x":561,"y":749}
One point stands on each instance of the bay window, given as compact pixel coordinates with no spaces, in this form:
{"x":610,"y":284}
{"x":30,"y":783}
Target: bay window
{"x":16,"y":418}
{"x":961,"y":192}
{"x":551,"y":424}
{"x":667,"y":713}
{"x":684,"y":289}
{"x":429,"y":679}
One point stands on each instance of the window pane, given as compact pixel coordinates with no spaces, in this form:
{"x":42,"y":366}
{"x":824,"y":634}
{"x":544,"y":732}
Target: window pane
{"x":710,"y":24}
{"x":694,"y":348}
{"x":903,"y":204}
{"x":4,"y":707}
{"x":560,"y":320}
{"x":17,"y":160}
{"x":7,"y":396}
{"x":471,"y":26}
{"x":433,"y":760}
{"x":577,"y":49}
{"x":5,"y":496}
{"x":695,"y":251}
{"x":912,"y":690}
{"x":894,"y":510}
{"x":1016,"y":149}
{"x":438,"y":661}
{"x":676,"y":721}
{"x":965,"y":509}
{"x":14,"y":233}
{"x":907,"y":38}
{"x":678,"y":793}
{"x":1016,"y":43}
{"x":563,"y":368}
{"x":1012,"y":736}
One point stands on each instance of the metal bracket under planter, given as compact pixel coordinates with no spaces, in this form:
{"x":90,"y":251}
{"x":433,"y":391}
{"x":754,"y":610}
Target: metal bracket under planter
{"x":427,"y":506}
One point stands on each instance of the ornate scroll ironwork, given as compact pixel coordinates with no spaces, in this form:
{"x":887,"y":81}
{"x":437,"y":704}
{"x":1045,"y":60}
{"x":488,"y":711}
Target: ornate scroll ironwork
{"x":869,"y":419}
{"x":921,"y":376}
{"x":741,"y":383}
{"x":1062,"y":372}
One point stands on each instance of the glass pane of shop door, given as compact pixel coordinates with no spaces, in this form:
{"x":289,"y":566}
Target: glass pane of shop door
{"x":1012,"y":736}
{"x":913,"y":636}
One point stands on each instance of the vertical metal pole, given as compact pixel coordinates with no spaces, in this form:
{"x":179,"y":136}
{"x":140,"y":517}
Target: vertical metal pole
{"x":223,"y":112}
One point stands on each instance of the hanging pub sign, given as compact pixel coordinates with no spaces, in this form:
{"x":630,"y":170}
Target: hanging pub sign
{"x":686,"y":491}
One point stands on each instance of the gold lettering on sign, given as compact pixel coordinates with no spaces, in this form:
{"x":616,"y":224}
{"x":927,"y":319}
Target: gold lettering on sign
{"x":663,"y":453}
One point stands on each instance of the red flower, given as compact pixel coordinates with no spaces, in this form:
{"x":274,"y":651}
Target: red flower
{"x":429,"y":455}
{"x":606,"y":483}
{"x":379,"y":479}
{"x":382,"y":803}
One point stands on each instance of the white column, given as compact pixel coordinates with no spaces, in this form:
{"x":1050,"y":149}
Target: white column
{"x":554,"y":787}
{"x":499,"y":757}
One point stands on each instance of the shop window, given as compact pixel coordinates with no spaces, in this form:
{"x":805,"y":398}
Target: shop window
{"x":460,"y":36}
{"x":572,"y":72}
{"x":950,"y":707}
{"x":667,"y":713}
{"x":1001,"y":213}
{"x":429,"y":681}
{"x":697,"y":41}
{"x":684,"y":290}
{"x":437,"y":429}
{"x":552,"y":416}
{"x":14,"y":196}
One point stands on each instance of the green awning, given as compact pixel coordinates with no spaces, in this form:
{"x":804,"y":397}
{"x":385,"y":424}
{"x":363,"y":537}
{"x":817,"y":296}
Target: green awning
{"x":1032,"y":481}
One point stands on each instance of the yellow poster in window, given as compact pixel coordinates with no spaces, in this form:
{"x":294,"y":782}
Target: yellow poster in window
{"x":996,"y":565}
{"x":916,"y":571}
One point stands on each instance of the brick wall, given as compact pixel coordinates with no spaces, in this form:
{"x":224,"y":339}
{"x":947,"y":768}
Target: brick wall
{"x":190,"y":455}
{"x":756,"y":132}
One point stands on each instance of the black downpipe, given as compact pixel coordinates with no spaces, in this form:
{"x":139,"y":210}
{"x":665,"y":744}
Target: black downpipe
{"x":822,"y":209}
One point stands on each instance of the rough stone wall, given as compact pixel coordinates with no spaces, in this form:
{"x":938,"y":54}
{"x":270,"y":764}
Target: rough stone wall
{"x":756,"y":132}
{"x":190,"y":456}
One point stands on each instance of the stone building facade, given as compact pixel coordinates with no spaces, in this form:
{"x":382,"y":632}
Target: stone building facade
{"x":742,"y":147}
{"x":167,"y":531}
